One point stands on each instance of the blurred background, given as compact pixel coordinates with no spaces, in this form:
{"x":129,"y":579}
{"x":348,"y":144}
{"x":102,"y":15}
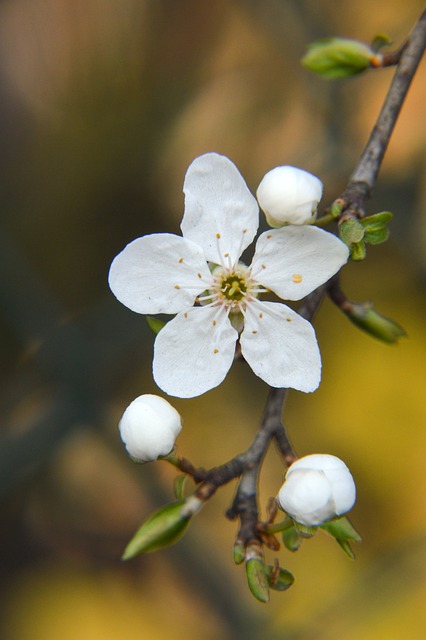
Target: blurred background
{"x":103,"y":105}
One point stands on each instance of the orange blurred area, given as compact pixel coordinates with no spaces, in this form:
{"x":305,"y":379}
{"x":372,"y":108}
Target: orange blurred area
{"x":103,"y":105}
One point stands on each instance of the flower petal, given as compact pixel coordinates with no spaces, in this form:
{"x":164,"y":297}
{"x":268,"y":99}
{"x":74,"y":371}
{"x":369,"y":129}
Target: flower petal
{"x":281,"y":347}
{"x":221,"y":215}
{"x":159,"y":273}
{"x":293,"y":261}
{"x":194,"y":352}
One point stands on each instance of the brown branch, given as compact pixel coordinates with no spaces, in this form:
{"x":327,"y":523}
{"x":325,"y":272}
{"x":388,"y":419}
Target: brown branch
{"x":365,"y":175}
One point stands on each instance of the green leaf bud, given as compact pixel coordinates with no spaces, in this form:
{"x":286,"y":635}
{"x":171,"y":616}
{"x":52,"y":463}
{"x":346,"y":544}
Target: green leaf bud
{"x":257,"y":579}
{"x":278,"y":579}
{"x":163,"y":528}
{"x":376,"y":227}
{"x":364,"y":316}
{"x":339,"y":57}
{"x":336,"y":208}
{"x":358,"y":251}
{"x":351,"y":231}
{"x":239,"y":551}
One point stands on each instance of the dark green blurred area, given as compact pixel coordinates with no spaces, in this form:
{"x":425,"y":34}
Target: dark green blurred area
{"x":103,"y":105}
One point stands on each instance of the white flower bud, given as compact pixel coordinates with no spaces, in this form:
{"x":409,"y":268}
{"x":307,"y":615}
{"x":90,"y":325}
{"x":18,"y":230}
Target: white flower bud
{"x":317,"y":488}
{"x":149,"y":427}
{"x":289,"y":195}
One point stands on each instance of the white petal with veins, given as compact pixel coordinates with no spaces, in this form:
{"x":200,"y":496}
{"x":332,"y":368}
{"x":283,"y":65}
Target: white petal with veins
{"x":159,"y":273}
{"x":281,"y":347}
{"x":293,"y":261}
{"x":194,"y":351}
{"x":218,"y":203}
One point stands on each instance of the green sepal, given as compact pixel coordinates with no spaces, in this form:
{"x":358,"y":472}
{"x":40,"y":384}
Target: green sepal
{"x":278,"y":579}
{"x":155,"y":324}
{"x":337,"y":57}
{"x":292,"y":539}
{"x":239,"y":552}
{"x":365,"y":316}
{"x":381,"y":40}
{"x":162,"y":529}
{"x":343,"y":532}
{"x":257,"y":579}
{"x":179,"y":486}
{"x":304,"y":531}
{"x":358,"y":251}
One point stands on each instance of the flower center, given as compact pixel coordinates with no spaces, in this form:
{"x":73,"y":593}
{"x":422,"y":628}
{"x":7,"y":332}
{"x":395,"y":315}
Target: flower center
{"x":234,"y":287}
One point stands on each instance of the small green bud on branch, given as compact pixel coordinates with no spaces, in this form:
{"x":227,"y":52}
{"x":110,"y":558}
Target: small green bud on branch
{"x":163,"y":528}
{"x":365,"y":316}
{"x":256,"y":572}
{"x":340,"y":57}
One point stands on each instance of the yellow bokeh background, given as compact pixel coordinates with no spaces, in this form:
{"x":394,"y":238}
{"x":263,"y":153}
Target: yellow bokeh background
{"x":104,"y":103}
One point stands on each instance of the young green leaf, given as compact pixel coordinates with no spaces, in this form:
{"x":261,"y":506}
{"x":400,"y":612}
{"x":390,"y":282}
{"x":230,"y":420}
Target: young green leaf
{"x":278,"y":579}
{"x":339,"y":57}
{"x":257,"y":579}
{"x":364,"y":316}
{"x":162,"y":529}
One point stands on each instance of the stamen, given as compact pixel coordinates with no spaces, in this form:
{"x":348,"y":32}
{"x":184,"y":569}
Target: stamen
{"x":223,"y":256}
{"x":297,"y":278}
{"x":209,"y":296}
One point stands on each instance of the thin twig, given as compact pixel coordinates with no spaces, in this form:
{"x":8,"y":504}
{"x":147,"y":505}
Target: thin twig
{"x":365,"y":175}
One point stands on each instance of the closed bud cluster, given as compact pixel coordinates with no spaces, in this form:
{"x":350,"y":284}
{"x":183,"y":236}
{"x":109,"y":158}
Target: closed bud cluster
{"x":149,"y":427}
{"x":317,"y":488}
{"x":289,"y":195}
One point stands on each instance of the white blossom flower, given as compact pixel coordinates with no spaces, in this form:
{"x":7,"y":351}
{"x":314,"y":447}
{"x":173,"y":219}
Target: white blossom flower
{"x":316,"y":489}
{"x":149,"y":427}
{"x":165,"y":273}
{"x":288,"y":195}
